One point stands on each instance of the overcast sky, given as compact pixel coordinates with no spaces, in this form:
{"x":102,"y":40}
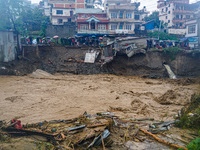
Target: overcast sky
{"x":151,"y":5}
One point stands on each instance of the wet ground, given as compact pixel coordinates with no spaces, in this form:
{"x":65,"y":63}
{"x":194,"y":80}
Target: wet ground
{"x":32,"y":99}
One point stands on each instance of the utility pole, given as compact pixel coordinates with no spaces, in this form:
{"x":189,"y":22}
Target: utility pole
{"x":159,"y":31}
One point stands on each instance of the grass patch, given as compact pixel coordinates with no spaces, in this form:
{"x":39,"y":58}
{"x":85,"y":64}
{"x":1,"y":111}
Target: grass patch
{"x":171,"y":51}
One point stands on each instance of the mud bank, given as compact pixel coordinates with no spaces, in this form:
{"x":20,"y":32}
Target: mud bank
{"x":151,"y":64}
{"x":53,"y":60}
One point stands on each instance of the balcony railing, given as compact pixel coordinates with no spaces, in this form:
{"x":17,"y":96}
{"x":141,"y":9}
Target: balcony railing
{"x":178,"y":20}
{"x":117,"y":31}
{"x":81,"y":31}
{"x":183,"y":11}
{"x":58,"y":23}
{"x":87,"y":17}
{"x":124,"y":7}
{"x":122,"y":20}
{"x":61,"y":1}
{"x":162,"y":4}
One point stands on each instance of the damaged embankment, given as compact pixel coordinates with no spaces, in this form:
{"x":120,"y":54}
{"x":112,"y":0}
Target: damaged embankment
{"x":56,"y":60}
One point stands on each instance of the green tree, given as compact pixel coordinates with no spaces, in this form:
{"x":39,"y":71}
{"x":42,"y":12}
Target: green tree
{"x":10,"y":10}
{"x":19,"y":16}
{"x":33,"y":20}
{"x":162,"y":36}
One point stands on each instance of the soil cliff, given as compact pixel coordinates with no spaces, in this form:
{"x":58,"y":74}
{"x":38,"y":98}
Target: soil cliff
{"x":55,"y":60}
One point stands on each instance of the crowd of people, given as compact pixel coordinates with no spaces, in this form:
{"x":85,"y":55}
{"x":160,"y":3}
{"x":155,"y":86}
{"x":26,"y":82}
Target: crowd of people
{"x":97,"y":42}
{"x":67,"y":41}
{"x":160,"y":44}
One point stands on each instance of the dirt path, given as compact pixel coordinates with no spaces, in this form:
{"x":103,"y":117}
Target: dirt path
{"x":64,"y":97}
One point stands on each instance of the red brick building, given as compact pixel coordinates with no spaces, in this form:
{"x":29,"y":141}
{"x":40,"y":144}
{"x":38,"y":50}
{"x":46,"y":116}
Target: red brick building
{"x":91,"y":22}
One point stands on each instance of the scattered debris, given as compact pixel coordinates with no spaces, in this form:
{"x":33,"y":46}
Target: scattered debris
{"x":40,"y":74}
{"x":91,"y":56}
{"x":162,"y":141}
{"x":98,"y":141}
{"x":98,"y":130}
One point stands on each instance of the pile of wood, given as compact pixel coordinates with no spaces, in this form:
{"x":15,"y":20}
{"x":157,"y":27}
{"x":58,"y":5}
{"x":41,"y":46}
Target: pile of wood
{"x":101,"y":130}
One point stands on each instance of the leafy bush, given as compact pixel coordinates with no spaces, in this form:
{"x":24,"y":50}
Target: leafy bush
{"x":194,"y":145}
{"x":191,"y":121}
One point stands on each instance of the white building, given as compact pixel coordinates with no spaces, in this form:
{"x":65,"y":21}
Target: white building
{"x":193,"y":27}
{"x":46,"y":7}
{"x":175,"y":12}
{"x":62,"y":11}
{"x":8,"y":44}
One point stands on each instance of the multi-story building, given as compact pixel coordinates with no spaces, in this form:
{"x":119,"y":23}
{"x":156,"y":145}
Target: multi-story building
{"x":175,"y":12}
{"x":91,"y":22}
{"x":61,"y":11}
{"x":124,"y":16}
{"x":46,"y":7}
{"x":193,"y":27}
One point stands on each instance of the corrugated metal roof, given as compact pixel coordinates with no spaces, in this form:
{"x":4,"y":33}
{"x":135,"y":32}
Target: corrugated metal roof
{"x":89,"y":11}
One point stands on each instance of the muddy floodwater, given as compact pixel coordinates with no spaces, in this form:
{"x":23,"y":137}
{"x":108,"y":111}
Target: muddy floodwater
{"x":63,"y":97}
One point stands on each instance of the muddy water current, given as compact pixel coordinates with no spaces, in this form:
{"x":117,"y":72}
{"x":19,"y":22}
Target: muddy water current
{"x":34,"y":99}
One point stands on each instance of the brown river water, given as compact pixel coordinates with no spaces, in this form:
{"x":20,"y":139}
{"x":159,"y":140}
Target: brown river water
{"x":32,"y":99}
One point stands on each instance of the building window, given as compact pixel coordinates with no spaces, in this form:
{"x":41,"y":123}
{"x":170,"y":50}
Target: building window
{"x":168,"y":21}
{"x":71,"y":13}
{"x":163,"y":10}
{"x":59,"y":11}
{"x":60,"y":21}
{"x":113,"y":15}
{"x":191,"y":29}
{"x":169,"y":12}
{"x":129,"y":15}
{"x":15,"y":38}
{"x":137,"y":17}
{"x":113,"y":26}
{"x":137,"y":27}
{"x":166,"y":17}
{"x":166,"y":9}
{"x":187,"y":16}
{"x":128,"y":27}
{"x":177,"y":16}
{"x":169,"y":5}
{"x":121,"y":15}
{"x":121,"y":27}
{"x":83,"y":27}
{"x":101,"y":26}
